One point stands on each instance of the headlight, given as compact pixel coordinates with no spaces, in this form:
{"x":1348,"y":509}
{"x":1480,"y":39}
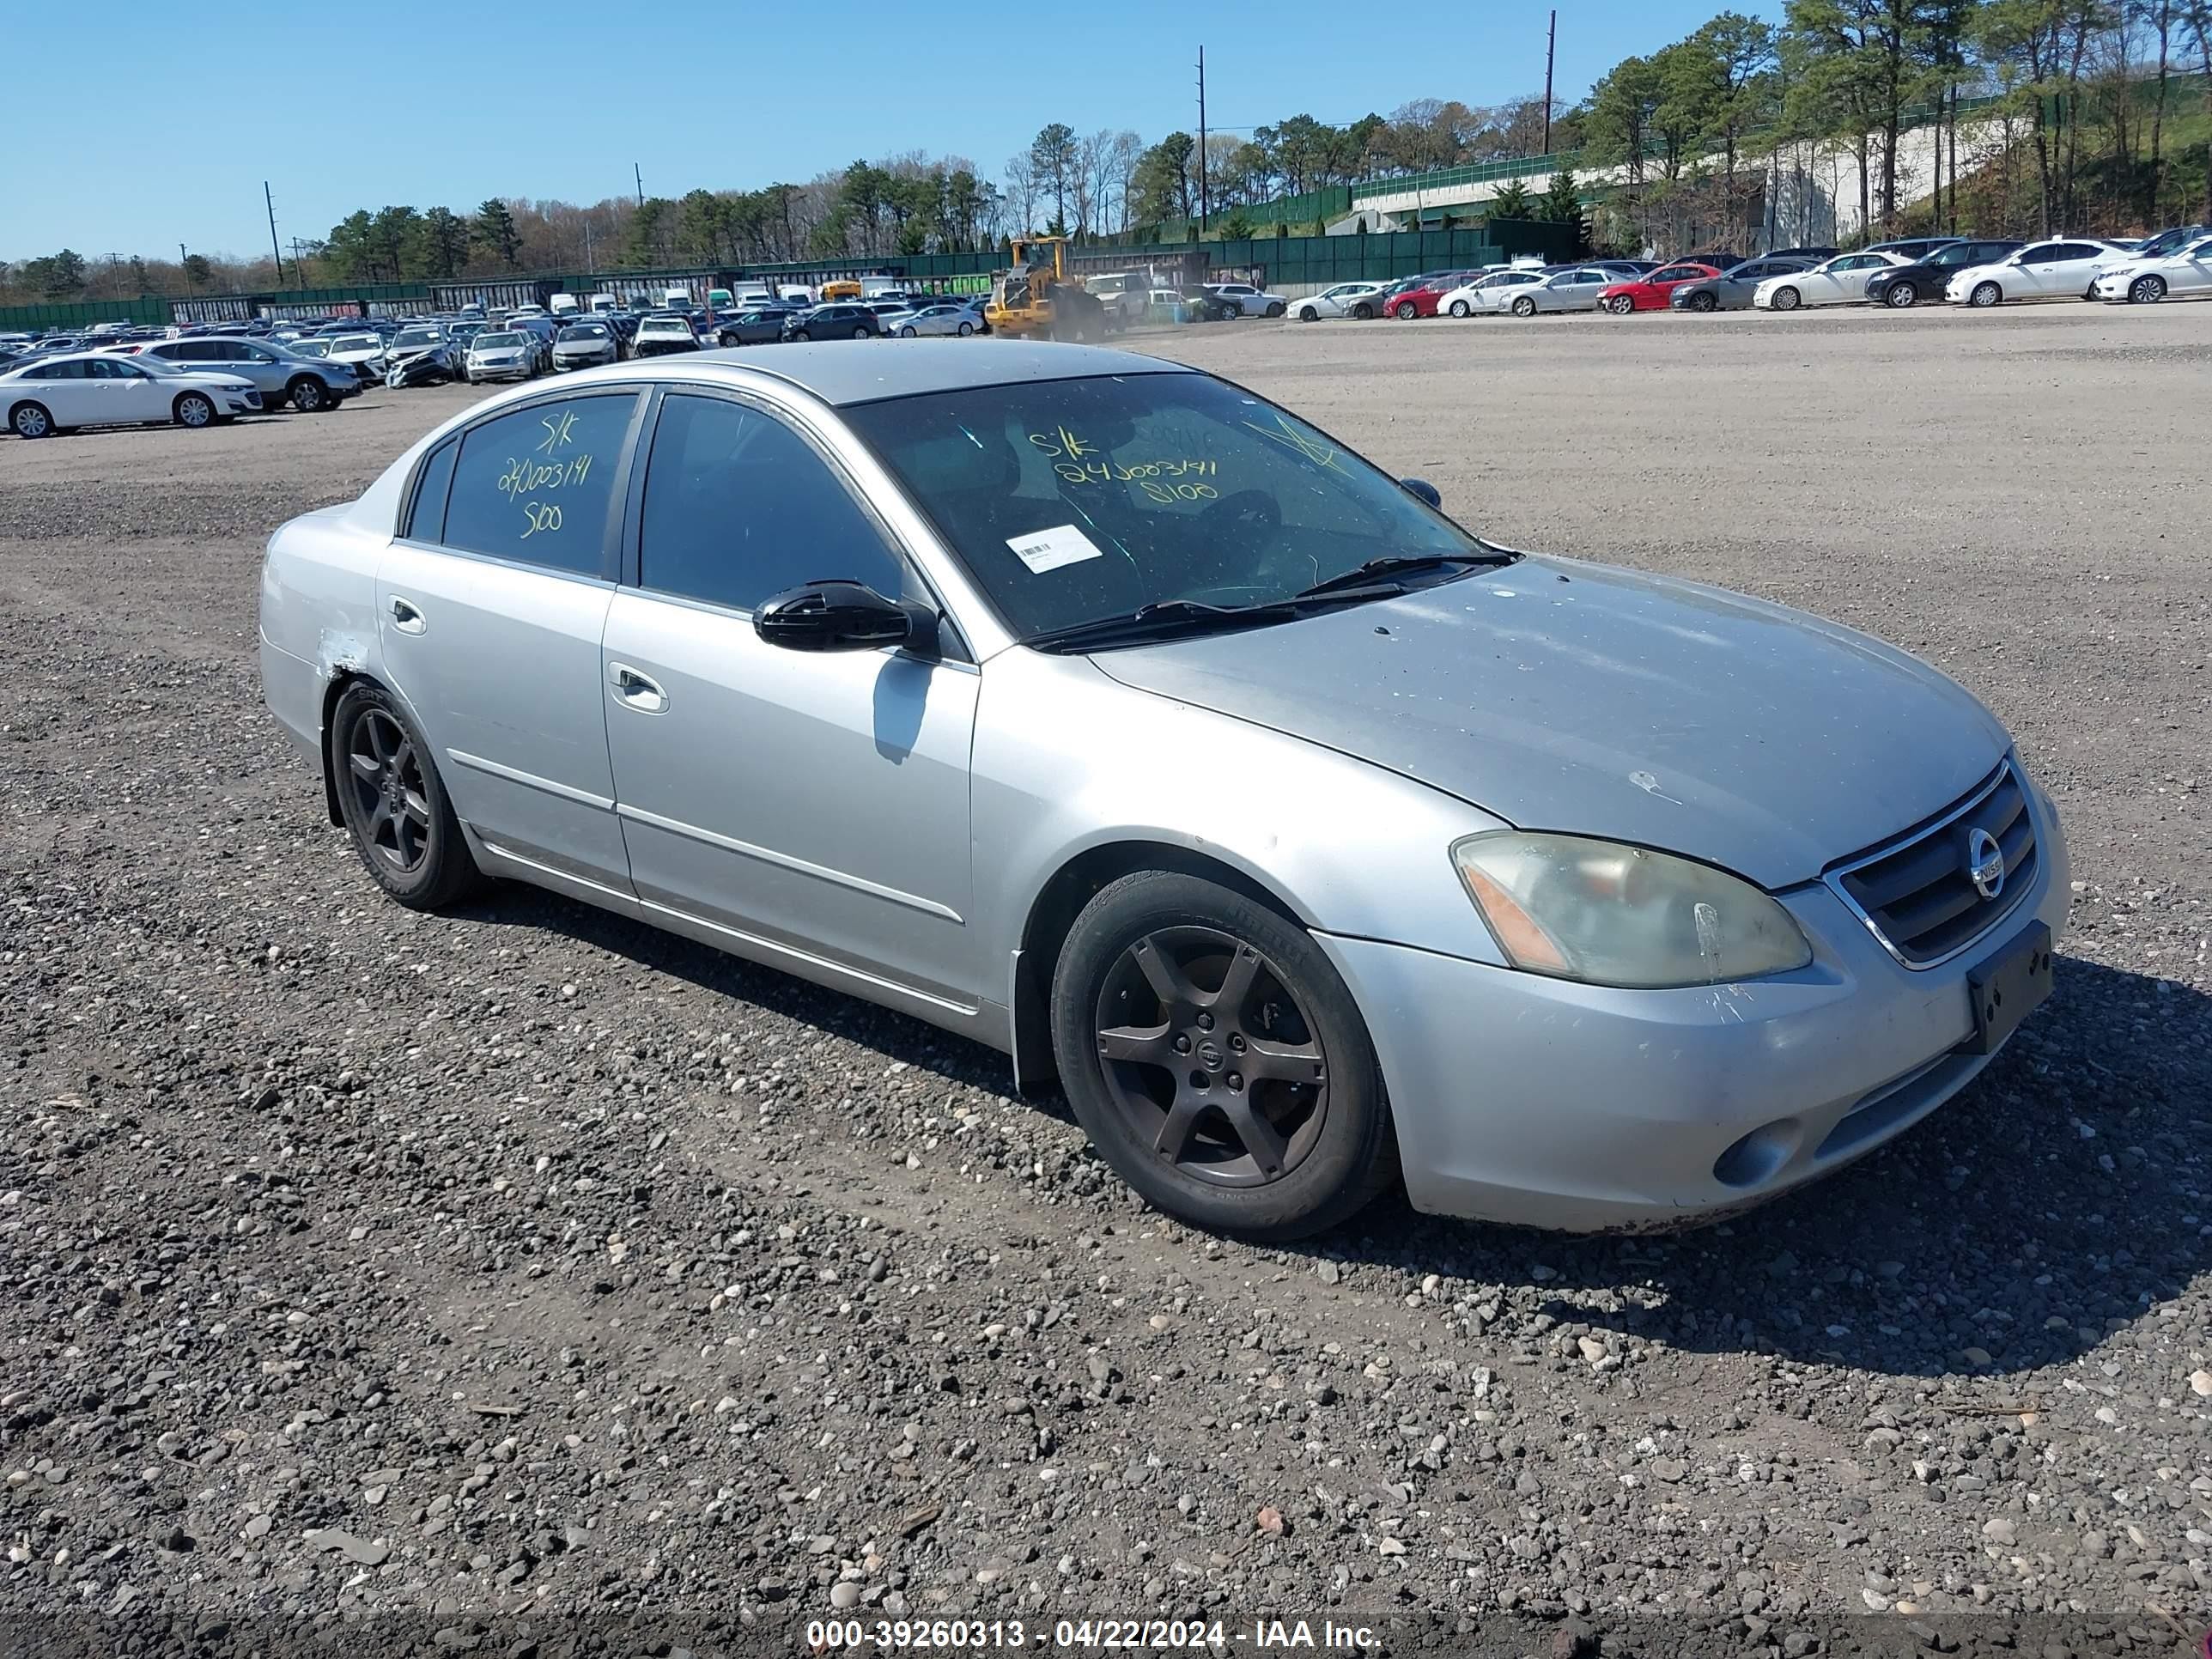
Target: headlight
{"x":1604,"y":913}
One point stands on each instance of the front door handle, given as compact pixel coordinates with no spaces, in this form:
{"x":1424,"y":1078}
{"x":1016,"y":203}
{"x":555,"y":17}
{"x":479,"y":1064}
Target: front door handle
{"x":405,"y":617}
{"x":635,"y":690}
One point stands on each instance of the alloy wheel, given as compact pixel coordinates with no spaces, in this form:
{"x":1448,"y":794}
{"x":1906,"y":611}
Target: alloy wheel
{"x":194,"y":410}
{"x":1902,"y":295}
{"x":31,"y":422}
{"x":1986,"y":294}
{"x":2145,"y":290}
{"x":1209,"y":1057}
{"x":1786,"y":299}
{"x":385,"y":775}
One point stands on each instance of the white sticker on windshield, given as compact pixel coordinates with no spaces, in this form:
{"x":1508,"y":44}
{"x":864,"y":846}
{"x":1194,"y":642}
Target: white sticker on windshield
{"x":1049,"y":550}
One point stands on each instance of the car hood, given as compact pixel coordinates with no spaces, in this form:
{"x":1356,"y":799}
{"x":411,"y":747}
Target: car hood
{"x":582,"y":345}
{"x":1588,"y":699}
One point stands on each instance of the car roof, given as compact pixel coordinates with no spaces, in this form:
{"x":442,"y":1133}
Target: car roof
{"x":847,"y":372}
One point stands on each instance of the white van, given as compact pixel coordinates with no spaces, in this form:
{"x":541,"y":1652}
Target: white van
{"x":601,"y":304}
{"x":678,"y":297}
{"x":564,"y":305}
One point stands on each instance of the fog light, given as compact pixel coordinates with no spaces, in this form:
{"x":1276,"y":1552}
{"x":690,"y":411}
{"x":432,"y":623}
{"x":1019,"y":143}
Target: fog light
{"x":1759,"y":1155}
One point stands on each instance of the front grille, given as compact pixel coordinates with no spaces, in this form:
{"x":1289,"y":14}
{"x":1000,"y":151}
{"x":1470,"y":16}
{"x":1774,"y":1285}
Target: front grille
{"x":1915,"y":893}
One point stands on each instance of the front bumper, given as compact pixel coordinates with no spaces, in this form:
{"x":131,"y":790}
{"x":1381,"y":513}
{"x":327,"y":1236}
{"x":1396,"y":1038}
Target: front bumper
{"x":240,"y":403}
{"x":2114,"y":285}
{"x":517,"y":371}
{"x":1542,"y":1103}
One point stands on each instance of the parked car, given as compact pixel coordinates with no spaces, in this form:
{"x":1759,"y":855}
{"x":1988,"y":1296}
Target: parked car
{"x":2063,"y":268}
{"x":584,"y":344}
{"x":1825,"y":906}
{"x":52,"y":394}
{"x":657,"y":336}
{"x":1912,"y":249}
{"x":1336,"y":301}
{"x":1250,"y":301}
{"x":2182,"y":273}
{"x":499,"y":354}
{"x":939,"y":320}
{"x":2151,"y":247}
{"x":1811,"y":256}
{"x":1837,"y":281}
{"x":1732,"y":290}
{"x":541,"y":330}
{"x":1575,"y":288}
{"x":847,"y":319}
{"x":361,"y":350}
{"x":1901,"y":287}
{"x":754,"y":325}
{"x":1652,"y":291}
{"x":420,"y":355}
{"x":1425,"y":300}
{"x":1490,"y":292}
{"x":281,"y":374}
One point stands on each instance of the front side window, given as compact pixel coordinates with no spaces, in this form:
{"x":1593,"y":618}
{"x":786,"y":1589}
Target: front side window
{"x":738,"y":508}
{"x":537,"y":484}
{"x":1071,"y":500}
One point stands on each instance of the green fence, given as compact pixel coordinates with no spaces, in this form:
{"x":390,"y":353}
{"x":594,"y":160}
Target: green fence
{"x":84,"y":313}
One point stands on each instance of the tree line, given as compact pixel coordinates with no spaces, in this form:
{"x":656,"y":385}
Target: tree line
{"x":2088,"y":115}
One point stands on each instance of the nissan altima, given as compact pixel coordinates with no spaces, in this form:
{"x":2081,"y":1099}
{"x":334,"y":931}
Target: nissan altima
{"x":1115,"y":717}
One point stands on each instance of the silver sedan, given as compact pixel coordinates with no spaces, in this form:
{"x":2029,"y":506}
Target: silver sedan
{"x":1112,"y":716}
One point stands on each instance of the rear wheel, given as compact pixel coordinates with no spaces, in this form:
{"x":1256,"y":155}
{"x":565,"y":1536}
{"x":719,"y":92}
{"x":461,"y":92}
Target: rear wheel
{"x":2146,"y":290}
{"x":1217,"y":1061}
{"x":860,"y":331}
{"x":394,"y":803}
{"x":31,"y":421}
{"x":1985,"y":295}
{"x":194,"y":410}
{"x":1901,"y":296}
{"x":966,"y":329}
{"x":1275,"y":310}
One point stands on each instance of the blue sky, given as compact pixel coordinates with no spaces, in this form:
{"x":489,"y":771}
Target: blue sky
{"x":557,"y":98}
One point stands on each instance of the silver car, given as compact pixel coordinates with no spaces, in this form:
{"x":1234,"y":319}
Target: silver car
{"x":1110,"y":715}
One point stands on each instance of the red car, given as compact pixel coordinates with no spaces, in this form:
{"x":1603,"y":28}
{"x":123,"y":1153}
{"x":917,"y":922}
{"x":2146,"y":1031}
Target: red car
{"x":1422,"y":302}
{"x":1651,"y":292}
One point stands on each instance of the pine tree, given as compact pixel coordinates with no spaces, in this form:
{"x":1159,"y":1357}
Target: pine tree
{"x":495,"y":229}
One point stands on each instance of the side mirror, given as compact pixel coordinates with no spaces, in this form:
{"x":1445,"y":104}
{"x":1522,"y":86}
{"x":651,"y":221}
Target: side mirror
{"x":842,"y":615}
{"x":1422,"y":487}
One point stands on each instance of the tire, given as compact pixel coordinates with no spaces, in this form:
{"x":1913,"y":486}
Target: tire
{"x":1275,"y":310}
{"x":308,"y":395}
{"x":967,"y":328}
{"x":1308,"y":314}
{"x":907,"y":333}
{"x":801,"y":334}
{"x":1315,"y":1144}
{"x":428,"y":864}
{"x":29,"y":420}
{"x":1461,"y":308}
{"x":860,"y":333}
{"x":1704,"y":303}
{"x":1621,"y":304}
{"x":2146,"y":290}
{"x":1363,"y":312}
{"x":1786,"y":299}
{"x":1985,"y":296}
{"x":1408,"y":311}
{"x":1901,"y":296}
{"x":1523,"y":307}
{"x":193,"y":409}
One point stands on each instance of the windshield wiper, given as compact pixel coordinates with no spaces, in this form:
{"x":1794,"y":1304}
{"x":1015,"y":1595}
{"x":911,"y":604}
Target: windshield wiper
{"x":1397,"y":564}
{"x":1165,"y":618}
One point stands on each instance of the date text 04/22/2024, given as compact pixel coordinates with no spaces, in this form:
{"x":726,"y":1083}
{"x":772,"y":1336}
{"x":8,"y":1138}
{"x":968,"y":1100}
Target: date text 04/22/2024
{"x":1085,"y":1635}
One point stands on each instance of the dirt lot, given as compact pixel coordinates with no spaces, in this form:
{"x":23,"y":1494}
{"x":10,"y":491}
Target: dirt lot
{"x":525,"y":1276}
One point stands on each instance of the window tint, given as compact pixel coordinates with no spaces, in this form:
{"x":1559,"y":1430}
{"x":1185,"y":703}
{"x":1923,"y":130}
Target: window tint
{"x":426,"y":515}
{"x":2080,"y":251}
{"x":738,"y":506}
{"x":2041,"y":253}
{"x":77,"y":369}
{"x":535,"y":485}
{"x":1678,"y":274}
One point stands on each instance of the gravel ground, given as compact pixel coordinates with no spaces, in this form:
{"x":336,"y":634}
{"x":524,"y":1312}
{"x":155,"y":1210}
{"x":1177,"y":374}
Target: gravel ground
{"x":524,"y":1280}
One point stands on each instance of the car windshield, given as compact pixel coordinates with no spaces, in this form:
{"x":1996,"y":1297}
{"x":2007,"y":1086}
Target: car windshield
{"x":418,"y":337}
{"x":485,"y":341}
{"x":311,"y":348}
{"x":357,"y":343}
{"x":585,"y":331}
{"x":663,"y":326}
{"x":2167,"y":241}
{"x":1073,"y":500}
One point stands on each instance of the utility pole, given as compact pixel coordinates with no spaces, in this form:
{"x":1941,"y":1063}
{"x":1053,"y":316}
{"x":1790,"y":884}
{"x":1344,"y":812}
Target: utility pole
{"x":297,"y":276}
{"x":1550,"y":48}
{"x":276,"y":250}
{"x":638,"y":172}
{"x":1202,"y":202}
{"x":189,"y":288}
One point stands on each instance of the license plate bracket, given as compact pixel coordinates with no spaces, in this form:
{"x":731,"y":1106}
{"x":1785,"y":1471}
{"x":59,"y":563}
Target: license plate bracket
{"x":2007,"y":987}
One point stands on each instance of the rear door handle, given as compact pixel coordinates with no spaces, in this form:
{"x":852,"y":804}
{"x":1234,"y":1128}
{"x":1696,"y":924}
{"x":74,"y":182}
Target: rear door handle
{"x":635,"y":690}
{"x":405,"y":617}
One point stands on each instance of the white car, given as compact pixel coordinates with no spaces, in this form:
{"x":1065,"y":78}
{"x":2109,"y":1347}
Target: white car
{"x":1563,"y":291}
{"x":941,"y":319}
{"x":2187,"y":272}
{"x":2060,"y":268}
{"x":98,"y":388}
{"x":1249,"y":301}
{"x":1838,"y":282}
{"x":505,"y":353}
{"x":1492,"y":292}
{"x":363,"y":353}
{"x":1336,"y":301}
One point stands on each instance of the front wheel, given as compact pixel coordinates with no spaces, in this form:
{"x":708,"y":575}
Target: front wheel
{"x":1216,"y":1062}
{"x":907,"y":333}
{"x":394,"y":803}
{"x":1786,"y":299}
{"x":1275,"y":310}
{"x":1621,"y":305}
{"x":1707,"y":302}
{"x":1524,"y":307}
{"x":193,"y":410}
{"x":1308,"y":314}
{"x":1363,"y":312}
{"x":1460,"y":308}
{"x":1902,"y":296}
{"x":1985,"y":296}
{"x":308,"y":395}
{"x":2146,"y":290}
{"x":1408,"y":312}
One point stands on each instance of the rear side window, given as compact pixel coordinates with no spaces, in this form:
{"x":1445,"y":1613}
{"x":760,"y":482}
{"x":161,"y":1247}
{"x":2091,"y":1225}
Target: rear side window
{"x":538,"y":485}
{"x":426,"y":513}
